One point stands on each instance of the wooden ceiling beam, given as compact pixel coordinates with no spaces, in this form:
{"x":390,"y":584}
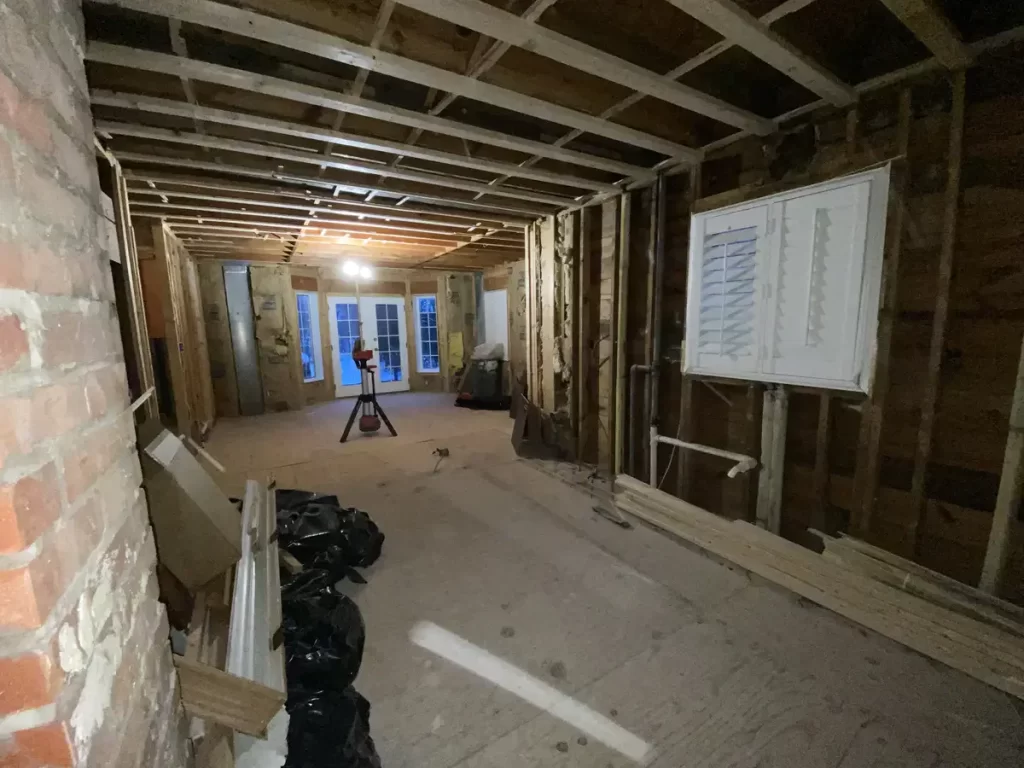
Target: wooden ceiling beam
{"x":743,"y":29}
{"x":517,"y":31}
{"x":933,"y":29}
{"x":230,"y":77}
{"x":311,"y":157}
{"x":335,"y":138}
{"x":316,"y":223}
{"x":313,"y":42}
{"x":779,"y":12}
{"x":260,"y":173}
{"x":225,"y":236}
{"x":346,"y":216}
{"x":355,"y":207}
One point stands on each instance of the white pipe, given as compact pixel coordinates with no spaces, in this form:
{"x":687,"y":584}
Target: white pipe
{"x":743,"y":463}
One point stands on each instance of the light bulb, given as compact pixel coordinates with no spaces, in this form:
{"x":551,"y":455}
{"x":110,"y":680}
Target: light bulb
{"x":365,"y":272}
{"x":350,"y":268}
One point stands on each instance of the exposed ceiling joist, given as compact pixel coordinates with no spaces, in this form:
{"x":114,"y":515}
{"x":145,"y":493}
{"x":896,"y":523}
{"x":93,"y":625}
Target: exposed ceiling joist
{"x":293,"y":178}
{"x":334,"y":138}
{"x":517,"y":31}
{"x":316,"y":221}
{"x":779,"y":12}
{"x":310,"y":41}
{"x":287,"y":231}
{"x":133,"y":58}
{"x":327,"y":240}
{"x":314,"y":158}
{"x":351,"y":207}
{"x":745,"y":30}
{"x":933,"y":29}
{"x":330,"y":206}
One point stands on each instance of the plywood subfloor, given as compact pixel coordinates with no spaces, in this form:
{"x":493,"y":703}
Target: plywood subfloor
{"x":708,"y":666}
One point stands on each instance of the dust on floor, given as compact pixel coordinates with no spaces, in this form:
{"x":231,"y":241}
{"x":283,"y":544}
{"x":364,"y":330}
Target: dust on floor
{"x":509,"y":625}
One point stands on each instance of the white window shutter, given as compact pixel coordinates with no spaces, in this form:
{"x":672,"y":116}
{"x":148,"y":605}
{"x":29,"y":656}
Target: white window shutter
{"x":816,"y":275}
{"x":727,"y":267}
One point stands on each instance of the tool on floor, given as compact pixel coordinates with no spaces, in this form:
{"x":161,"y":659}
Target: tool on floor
{"x":442,"y":454}
{"x":372,"y":413}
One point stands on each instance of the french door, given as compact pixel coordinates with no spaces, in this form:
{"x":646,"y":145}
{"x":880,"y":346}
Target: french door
{"x":383,"y":331}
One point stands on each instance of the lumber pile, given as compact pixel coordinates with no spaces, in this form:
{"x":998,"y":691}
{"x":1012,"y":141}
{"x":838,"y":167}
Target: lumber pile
{"x":984,"y":640}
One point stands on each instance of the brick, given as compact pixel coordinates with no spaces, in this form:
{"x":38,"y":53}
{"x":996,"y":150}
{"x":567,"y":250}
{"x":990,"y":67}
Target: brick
{"x":29,"y":593}
{"x":50,"y":202}
{"x":13,"y":343}
{"x":72,"y":338}
{"x":63,"y":268}
{"x":31,"y":417}
{"x":25,"y":116}
{"x":90,"y":458}
{"x":106,"y":390}
{"x":47,"y":746}
{"x":28,"y":506}
{"x":30,"y":680}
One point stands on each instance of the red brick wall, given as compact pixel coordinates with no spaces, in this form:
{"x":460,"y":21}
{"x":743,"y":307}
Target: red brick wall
{"x":86,"y":677}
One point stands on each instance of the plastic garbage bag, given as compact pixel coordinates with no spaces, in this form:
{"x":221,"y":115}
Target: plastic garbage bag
{"x":330,"y":730}
{"x":321,"y":533}
{"x":324,"y":636}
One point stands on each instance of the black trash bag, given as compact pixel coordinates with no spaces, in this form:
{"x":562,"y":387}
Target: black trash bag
{"x":324,"y":640}
{"x":318,"y":532}
{"x":290,"y":499}
{"x":330,"y":730}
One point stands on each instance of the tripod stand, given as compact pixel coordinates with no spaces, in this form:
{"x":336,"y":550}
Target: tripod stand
{"x":367,"y":400}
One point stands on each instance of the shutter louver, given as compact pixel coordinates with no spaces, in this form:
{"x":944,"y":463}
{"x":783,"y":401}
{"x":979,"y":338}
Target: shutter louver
{"x":728,"y":286}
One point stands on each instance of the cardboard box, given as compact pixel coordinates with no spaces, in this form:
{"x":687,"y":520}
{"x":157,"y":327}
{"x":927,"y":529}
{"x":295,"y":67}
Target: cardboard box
{"x":198,"y":530}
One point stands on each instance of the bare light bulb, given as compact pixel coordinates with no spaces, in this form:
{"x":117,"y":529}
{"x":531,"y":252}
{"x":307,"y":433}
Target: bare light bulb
{"x":350,"y":268}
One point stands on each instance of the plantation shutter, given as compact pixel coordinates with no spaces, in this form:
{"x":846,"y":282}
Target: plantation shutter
{"x":815,"y":283}
{"x":724,"y":323}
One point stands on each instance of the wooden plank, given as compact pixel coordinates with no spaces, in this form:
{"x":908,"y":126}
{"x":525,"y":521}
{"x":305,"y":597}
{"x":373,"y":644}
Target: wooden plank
{"x":1008,"y":500}
{"x":743,"y":29}
{"x":606,"y":337}
{"x":870,"y":439}
{"x":930,"y":25}
{"x":775,"y":418}
{"x":332,"y":206}
{"x":546,"y":358}
{"x":161,"y":106}
{"x":929,"y":585}
{"x":448,"y":217}
{"x":315,"y":43}
{"x":515,"y":30}
{"x":238,"y":78}
{"x":984,"y":652}
{"x":239,"y":704}
{"x":277,"y":176}
{"x":584,"y":334}
{"x":168,"y":275}
{"x":940,"y":321}
{"x":621,"y":316}
{"x":822,"y":443}
{"x":296,"y":156}
{"x":567,"y":298}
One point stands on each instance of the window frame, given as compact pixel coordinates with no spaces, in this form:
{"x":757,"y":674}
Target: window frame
{"x":314,"y":332}
{"x":419,"y":334}
{"x":869,"y":291}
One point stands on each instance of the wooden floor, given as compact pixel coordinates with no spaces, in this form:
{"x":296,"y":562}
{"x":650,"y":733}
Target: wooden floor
{"x":705,"y":665}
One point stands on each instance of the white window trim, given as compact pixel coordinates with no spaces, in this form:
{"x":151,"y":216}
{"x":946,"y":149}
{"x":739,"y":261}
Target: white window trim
{"x":419,"y":334}
{"x":314,"y":324}
{"x":870,"y":288}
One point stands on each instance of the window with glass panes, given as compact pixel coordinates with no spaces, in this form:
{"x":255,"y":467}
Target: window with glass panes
{"x":309,"y":336}
{"x":389,"y":343}
{"x":346,"y":317}
{"x":428,"y":350}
